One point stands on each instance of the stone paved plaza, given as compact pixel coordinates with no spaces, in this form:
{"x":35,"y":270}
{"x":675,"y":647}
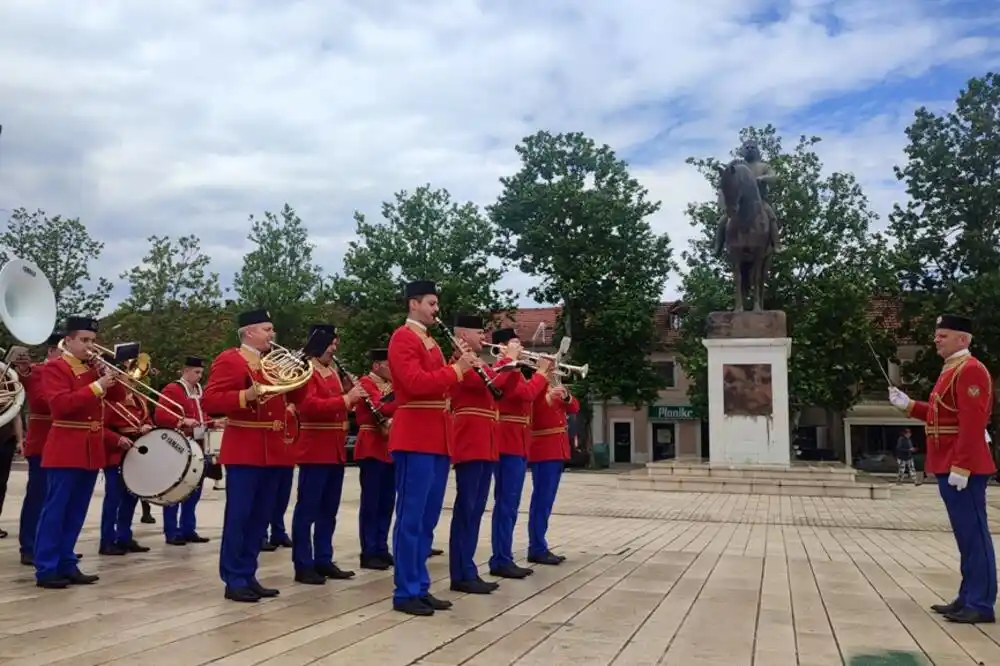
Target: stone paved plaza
{"x":651,"y":578}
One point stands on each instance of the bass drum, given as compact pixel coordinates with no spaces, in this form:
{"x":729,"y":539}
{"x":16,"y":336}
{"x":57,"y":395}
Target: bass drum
{"x":163,"y":467}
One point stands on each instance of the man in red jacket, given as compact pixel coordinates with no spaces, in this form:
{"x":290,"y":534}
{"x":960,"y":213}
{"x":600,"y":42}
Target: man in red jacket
{"x":371,"y":452}
{"x":513,"y":432}
{"x":321,"y":454}
{"x":180,"y":522}
{"x":39,"y":421}
{"x":958,"y":452}
{"x":474,"y":455}
{"x":253,"y":451}
{"x":420,"y":441}
{"x":547,"y":455}
{"x":130,"y":419}
{"x":74,"y":452}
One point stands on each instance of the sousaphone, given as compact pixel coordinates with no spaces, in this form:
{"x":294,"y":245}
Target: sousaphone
{"x":28,"y":310}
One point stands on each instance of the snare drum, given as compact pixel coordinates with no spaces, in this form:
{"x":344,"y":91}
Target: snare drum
{"x":213,"y":441}
{"x":163,"y":467}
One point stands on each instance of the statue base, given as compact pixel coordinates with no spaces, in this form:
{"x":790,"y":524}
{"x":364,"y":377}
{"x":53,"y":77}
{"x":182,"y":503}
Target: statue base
{"x":748,"y":412}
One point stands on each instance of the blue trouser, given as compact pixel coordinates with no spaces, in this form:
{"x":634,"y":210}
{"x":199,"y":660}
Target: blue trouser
{"x":118,"y":509}
{"x":250,"y":497}
{"x":286,"y":476}
{"x":67,"y":498}
{"x":507,"y":489}
{"x":967,"y":513}
{"x":378,"y":494}
{"x":421,"y":479}
{"x":181,"y":520}
{"x":472,"y":482}
{"x":31,"y":507}
{"x":545,"y":478}
{"x":314,"y":519}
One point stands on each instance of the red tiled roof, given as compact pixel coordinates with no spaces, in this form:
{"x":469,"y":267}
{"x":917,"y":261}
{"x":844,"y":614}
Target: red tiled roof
{"x":885,"y":311}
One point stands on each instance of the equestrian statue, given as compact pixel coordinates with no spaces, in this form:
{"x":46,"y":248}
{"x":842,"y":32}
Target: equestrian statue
{"x":748,"y":231}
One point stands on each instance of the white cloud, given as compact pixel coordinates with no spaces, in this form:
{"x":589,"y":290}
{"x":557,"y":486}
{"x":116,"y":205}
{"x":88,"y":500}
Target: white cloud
{"x":185,"y":117}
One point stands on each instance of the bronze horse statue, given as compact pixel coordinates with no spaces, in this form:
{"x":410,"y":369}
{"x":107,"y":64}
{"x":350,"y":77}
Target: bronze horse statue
{"x":749,"y":244}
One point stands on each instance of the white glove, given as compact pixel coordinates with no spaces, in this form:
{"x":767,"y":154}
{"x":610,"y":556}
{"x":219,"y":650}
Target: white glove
{"x":898,"y":398}
{"x":957,"y":480}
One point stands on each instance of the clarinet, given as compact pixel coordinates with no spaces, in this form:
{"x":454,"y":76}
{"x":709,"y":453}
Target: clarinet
{"x":494,"y":391}
{"x":379,"y":417}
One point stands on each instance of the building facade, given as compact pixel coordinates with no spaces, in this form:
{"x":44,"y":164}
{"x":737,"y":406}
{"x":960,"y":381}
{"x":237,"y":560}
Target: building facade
{"x":670,"y":429}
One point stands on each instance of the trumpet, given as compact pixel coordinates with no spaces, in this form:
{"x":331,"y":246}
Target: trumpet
{"x":531,"y":360}
{"x":130,"y":377}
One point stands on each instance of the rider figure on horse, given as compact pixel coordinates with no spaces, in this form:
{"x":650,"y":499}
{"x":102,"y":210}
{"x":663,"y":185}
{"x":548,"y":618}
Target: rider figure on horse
{"x":765,"y":176}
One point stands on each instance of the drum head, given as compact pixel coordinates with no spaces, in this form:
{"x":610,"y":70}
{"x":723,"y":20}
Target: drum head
{"x":156,"y":463}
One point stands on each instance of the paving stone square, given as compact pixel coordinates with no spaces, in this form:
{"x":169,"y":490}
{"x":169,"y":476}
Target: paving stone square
{"x":681,"y":579}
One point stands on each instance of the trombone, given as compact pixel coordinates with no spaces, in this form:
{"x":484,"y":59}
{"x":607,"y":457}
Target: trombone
{"x":130,"y":378}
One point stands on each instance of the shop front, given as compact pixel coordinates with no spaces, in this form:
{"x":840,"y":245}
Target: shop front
{"x":674,"y":431}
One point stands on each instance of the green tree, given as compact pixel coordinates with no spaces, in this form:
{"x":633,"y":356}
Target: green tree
{"x":832,"y":266}
{"x":947,"y":249}
{"x":63,"y":249}
{"x":575,"y":219}
{"x":422,"y":235}
{"x":279,"y":273}
{"x":172,"y":306}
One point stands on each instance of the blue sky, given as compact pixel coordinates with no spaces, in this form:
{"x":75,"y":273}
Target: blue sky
{"x":186,"y":117}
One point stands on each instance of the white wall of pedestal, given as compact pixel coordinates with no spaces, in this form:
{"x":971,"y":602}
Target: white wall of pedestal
{"x":749,"y":439}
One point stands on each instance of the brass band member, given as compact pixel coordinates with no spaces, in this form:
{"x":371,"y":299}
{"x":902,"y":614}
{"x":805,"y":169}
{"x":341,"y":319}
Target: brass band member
{"x":371,"y":451}
{"x":39,"y":421}
{"x":74,"y":452}
{"x":321,"y":453}
{"x":180,"y":522}
{"x":252,"y":447}
{"x":129,"y":418}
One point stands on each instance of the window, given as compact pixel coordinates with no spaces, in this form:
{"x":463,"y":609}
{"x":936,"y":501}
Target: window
{"x":666,"y":371}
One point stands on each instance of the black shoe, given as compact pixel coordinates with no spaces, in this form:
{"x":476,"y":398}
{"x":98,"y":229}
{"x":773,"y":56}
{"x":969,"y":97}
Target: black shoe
{"x":134,"y":546}
{"x":194,"y":537}
{"x":945,"y":609}
{"x":281,"y":542}
{"x":242,"y":594}
{"x":176,"y":541}
{"x":113,"y":549}
{"x":27,"y":559}
{"x":333,"y":571}
{"x":388,"y":559}
{"x":147,"y":519}
{"x":52,"y":583}
{"x":434,"y":603}
{"x":544,"y":558}
{"x":374,"y":562}
{"x":471,"y":587}
{"x":435,"y":552}
{"x":3,"y":534}
{"x":80,"y":578}
{"x":309,"y":577}
{"x":261,"y":591}
{"x":561,"y":558}
{"x":969,"y":616}
{"x":510,"y":571}
{"x":268,"y":547}
{"x":413,"y":607}
{"x":488,"y":583}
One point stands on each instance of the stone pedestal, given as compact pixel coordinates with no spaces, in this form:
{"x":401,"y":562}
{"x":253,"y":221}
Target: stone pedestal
{"x":748,"y":388}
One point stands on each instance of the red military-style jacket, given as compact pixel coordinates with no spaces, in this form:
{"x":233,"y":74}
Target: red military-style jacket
{"x":39,"y":418}
{"x":514,"y":428}
{"x":421,"y":382}
{"x":956,"y":415}
{"x":549,"y":431}
{"x":254,"y":433}
{"x":373,"y":442}
{"x":78,"y":438}
{"x":322,"y":411}
{"x":123,"y":426}
{"x":475,"y":415}
{"x":190,"y":404}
